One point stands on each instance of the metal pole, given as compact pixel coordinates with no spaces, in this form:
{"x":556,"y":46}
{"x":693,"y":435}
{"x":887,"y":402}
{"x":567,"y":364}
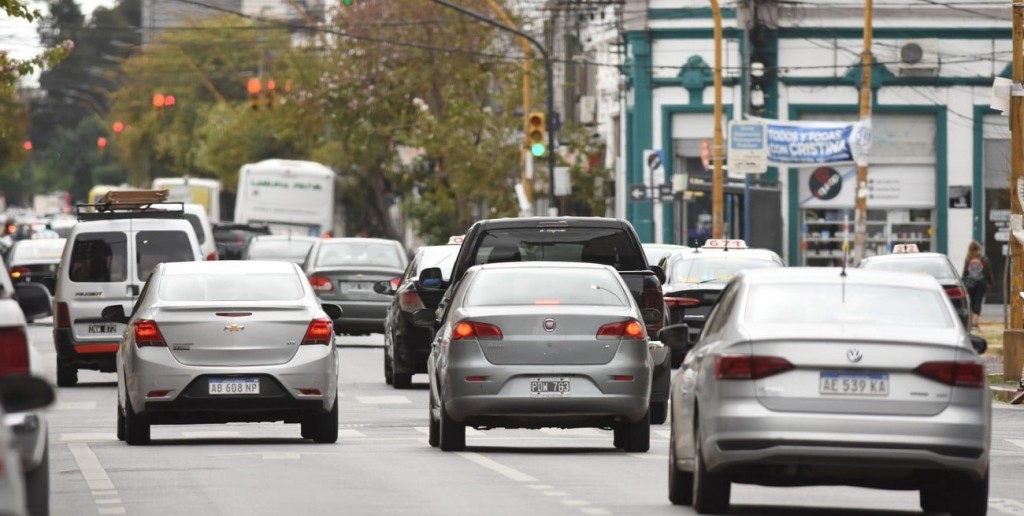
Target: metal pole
{"x":860,"y":221}
{"x":553,"y":202}
{"x":718,"y":176}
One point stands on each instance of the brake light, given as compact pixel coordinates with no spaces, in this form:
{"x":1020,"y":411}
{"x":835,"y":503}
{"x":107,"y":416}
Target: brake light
{"x":321,"y":283}
{"x":13,"y":351}
{"x":320,"y":331}
{"x":627,"y":329}
{"x":20,"y":272}
{"x":681,"y":302}
{"x":960,"y":374}
{"x":955,"y":292}
{"x":63,"y":318}
{"x":749,"y":367}
{"x":212,"y":256}
{"x":410,"y":301}
{"x":147,"y":333}
{"x":477,"y":330}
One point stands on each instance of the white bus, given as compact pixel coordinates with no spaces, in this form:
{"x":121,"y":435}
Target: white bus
{"x":291,"y":197}
{"x":193,"y":190}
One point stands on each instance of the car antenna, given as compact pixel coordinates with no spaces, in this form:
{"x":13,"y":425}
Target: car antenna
{"x":846,"y":257}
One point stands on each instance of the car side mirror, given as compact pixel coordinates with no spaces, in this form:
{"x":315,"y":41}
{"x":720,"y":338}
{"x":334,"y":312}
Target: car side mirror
{"x":424,"y":318}
{"x":659,"y":272}
{"x":431,"y":277}
{"x":114,"y":313}
{"x":979,"y":343}
{"x":384,"y":287}
{"x":676,"y":335}
{"x":332,"y":310}
{"x":34,"y":299}
{"x":21,"y":393}
{"x":651,"y":315}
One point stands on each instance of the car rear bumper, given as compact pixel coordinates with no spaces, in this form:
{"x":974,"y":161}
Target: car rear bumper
{"x":98,"y":355}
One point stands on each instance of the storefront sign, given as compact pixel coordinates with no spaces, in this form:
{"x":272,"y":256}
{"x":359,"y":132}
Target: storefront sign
{"x":960,"y":196}
{"x":825,"y":183}
{"x":889,"y":186}
{"x":816,"y":143}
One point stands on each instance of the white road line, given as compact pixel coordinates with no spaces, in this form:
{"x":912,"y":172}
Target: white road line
{"x":572,"y":502}
{"x":111,"y":510}
{"x":555,"y":493}
{"x":98,"y":494}
{"x":422,"y":429}
{"x":108,"y":501}
{"x":75,"y":405}
{"x":496,"y":467}
{"x":210,"y":434}
{"x":1018,"y":442}
{"x":540,"y":487}
{"x":95,"y":476}
{"x":1006,"y":506}
{"x":649,"y":456}
{"x":382,"y":400}
{"x":282,"y":456}
{"x":594,"y":510}
{"x":664,"y":433}
{"x":88,"y":436}
{"x":348,"y":432}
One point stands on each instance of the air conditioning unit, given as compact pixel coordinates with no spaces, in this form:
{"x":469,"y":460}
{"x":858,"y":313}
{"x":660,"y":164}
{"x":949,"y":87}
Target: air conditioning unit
{"x":588,"y":109}
{"x":918,"y":56}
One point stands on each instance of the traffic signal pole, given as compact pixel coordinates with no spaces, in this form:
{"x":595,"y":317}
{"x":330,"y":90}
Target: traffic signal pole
{"x":1013,"y":337}
{"x":718,"y":176}
{"x":553,"y":202}
{"x":860,"y":221}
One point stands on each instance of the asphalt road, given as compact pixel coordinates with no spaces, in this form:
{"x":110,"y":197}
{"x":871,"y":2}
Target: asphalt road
{"x":383,"y":465}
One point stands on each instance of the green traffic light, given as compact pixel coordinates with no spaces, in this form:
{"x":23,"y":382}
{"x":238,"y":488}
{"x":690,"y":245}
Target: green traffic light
{"x":537,"y":149}
{"x":347,"y":2}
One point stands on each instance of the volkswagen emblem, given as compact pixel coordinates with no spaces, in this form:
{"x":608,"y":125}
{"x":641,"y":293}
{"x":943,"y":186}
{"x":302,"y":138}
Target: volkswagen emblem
{"x":549,"y":325}
{"x":854,"y":355}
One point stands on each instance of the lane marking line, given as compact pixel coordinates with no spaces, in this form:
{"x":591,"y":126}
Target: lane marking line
{"x":98,"y":494}
{"x":594,"y":510}
{"x":648,"y":456}
{"x":555,"y":493}
{"x":540,"y":487}
{"x":282,"y":456}
{"x":62,"y":405}
{"x":95,"y":476}
{"x":111,"y":510}
{"x":497,"y":467}
{"x":108,"y":501}
{"x":382,"y":400}
{"x":572,"y":502}
{"x":664,"y":433}
{"x":1018,"y":442}
{"x":210,"y":434}
{"x":88,"y":436}
{"x":348,"y":432}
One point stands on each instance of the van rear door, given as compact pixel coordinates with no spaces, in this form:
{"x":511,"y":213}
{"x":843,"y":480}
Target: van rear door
{"x":98,"y":270}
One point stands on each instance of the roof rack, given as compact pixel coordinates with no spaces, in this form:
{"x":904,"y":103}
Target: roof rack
{"x":123,"y":204}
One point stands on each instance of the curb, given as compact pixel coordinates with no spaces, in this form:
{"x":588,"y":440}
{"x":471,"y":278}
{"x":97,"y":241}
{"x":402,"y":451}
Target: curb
{"x":1004,"y":394}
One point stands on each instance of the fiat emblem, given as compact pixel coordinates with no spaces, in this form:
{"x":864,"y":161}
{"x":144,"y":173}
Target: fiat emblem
{"x":549,"y":325}
{"x":854,"y":355}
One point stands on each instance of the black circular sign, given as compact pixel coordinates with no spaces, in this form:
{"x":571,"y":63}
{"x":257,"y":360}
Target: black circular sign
{"x":825,"y":183}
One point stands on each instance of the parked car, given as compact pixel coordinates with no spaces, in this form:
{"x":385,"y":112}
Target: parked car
{"x":232,"y":239}
{"x":655,"y":252}
{"x":218,"y":342}
{"x":109,"y":255}
{"x":407,"y":346}
{"x":937,"y":265}
{"x":292,"y":248}
{"x":36,"y":261}
{"x":825,"y":376}
{"x":22,"y":491}
{"x":540,"y":344}
{"x":344,"y":270}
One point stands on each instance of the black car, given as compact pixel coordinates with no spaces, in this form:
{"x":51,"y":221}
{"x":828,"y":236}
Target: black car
{"x":406,"y":346}
{"x":36,"y":261}
{"x":233,"y":239}
{"x":935,"y":264}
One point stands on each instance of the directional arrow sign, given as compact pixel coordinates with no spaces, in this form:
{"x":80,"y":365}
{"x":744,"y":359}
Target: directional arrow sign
{"x":638,"y":192}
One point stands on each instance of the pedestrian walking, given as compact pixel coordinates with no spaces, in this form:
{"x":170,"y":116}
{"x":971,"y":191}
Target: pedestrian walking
{"x":977,"y":276}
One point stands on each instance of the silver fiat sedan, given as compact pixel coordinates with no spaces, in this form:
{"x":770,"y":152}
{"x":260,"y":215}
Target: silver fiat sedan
{"x":539,"y":344}
{"x":227,"y":341}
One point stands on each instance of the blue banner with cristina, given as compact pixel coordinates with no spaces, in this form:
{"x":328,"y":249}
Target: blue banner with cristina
{"x":817,"y":143}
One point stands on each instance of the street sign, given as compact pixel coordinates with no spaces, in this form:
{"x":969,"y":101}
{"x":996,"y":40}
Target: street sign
{"x":637,"y":192}
{"x":654,"y":173}
{"x":665,"y":193}
{"x":748,"y":147}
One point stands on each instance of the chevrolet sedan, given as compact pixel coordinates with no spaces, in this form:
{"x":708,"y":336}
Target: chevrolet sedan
{"x":817,"y":376}
{"x":540,"y":344}
{"x":222,"y":341}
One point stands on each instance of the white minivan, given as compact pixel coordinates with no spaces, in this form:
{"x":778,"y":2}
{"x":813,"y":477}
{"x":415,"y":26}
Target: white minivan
{"x":108,"y":257}
{"x":196,"y":215}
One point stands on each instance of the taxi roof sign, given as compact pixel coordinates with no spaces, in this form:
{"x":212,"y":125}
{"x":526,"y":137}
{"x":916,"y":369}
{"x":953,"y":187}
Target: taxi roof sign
{"x":456,"y":239}
{"x":723,"y":243}
{"x":904,"y":248}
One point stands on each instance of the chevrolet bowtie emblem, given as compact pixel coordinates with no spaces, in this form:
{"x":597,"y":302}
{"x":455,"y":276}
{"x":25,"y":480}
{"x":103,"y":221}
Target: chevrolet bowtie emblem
{"x":234,"y":327}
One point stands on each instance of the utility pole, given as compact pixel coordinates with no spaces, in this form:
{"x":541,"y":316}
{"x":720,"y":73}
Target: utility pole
{"x":860,"y":220}
{"x":1017,"y":167}
{"x":718,"y":176}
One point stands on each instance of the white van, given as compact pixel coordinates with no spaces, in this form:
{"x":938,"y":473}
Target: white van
{"x":108,"y":257}
{"x":196,"y":215}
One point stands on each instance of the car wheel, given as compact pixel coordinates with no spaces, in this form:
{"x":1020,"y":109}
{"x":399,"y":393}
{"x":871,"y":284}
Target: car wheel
{"x":638,"y":435}
{"x":453,"y":435}
{"x":389,"y":370}
{"x":67,"y":375}
{"x":37,"y":485}
{"x":680,"y":483}
{"x":402,"y":381}
{"x":120,"y":422}
{"x":136,"y":427}
{"x":659,"y":412}
{"x":971,"y":498}
{"x":434,"y":431}
{"x":323,"y":429}
{"x":710,"y":491}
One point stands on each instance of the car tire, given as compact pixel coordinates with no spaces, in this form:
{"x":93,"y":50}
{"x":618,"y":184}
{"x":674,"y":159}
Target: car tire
{"x":67,"y":375}
{"x":402,"y":381}
{"x":453,"y":434}
{"x":638,"y":435}
{"x":37,"y":485}
{"x":434,"y":430}
{"x":659,"y":412}
{"x":323,"y":429}
{"x":935,"y":499}
{"x":389,"y":370}
{"x":680,"y":483}
{"x":710,"y":491}
{"x":971,"y":497}
{"x":120,"y":422}
{"x":136,"y":427}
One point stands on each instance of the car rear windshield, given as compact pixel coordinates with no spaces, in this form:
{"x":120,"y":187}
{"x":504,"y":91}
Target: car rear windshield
{"x":153,"y":247}
{"x":197,"y":225}
{"x":99,"y":257}
{"x":936,"y":267}
{"x":561,"y":286}
{"x":607,"y":246}
{"x":291,"y":250}
{"x":883,"y":305}
{"x":698,"y":269}
{"x":340,"y":253}
{"x":37,"y":250}
{"x":231,"y":287}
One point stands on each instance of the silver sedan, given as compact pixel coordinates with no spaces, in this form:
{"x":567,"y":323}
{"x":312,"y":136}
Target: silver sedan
{"x":227,"y":341}
{"x":826,"y":376}
{"x":539,"y":344}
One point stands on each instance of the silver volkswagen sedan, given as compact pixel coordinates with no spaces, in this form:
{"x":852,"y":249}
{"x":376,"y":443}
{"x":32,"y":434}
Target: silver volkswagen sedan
{"x":539,"y":344}
{"x":820,"y":376}
{"x":227,"y":341}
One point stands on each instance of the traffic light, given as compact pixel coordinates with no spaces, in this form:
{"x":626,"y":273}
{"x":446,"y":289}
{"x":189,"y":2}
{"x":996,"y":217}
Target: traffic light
{"x":254,"y":88}
{"x":536,"y":134}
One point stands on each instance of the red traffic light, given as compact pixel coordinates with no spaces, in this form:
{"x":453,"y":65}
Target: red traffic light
{"x":101,"y":142}
{"x":169,"y":100}
{"x":254,"y":86}
{"x":27,"y":145}
{"x":159,"y":100}
{"x":118,"y":127}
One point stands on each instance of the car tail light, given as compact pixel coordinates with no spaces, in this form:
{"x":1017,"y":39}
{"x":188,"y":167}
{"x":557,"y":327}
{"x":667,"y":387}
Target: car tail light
{"x":476,"y":330}
{"x":158,"y":394}
{"x":321,"y":283}
{"x":627,"y":329}
{"x":147,"y":333}
{"x":63,"y":317}
{"x":309,"y":392}
{"x":212,"y":256}
{"x":955,"y":292}
{"x":960,"y":374}
{"x":13,"y":351}
{"x":654,"y":298}
{"x":395,"y":283}
{"x":681,"y":302}
{"x":20,"y":272}
{"x":749,"y":367}
{"x":476,"y":378}
{"x":320,"y":331}
{"x":410,"y":301}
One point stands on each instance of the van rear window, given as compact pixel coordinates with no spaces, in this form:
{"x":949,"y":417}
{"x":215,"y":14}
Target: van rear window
{"x":99,"y":258}
{"x":606,"y":246}
{"x":153,"y":247}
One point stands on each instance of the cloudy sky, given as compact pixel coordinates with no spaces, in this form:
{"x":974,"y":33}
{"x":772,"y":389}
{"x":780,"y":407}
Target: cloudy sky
{"x":19,"y":38}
